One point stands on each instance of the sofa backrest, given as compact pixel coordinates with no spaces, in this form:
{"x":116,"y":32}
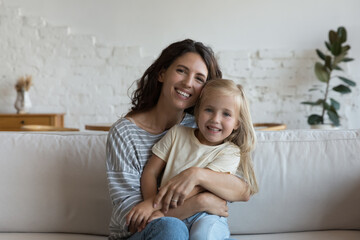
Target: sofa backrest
{"x":308,"y":180}
{"x":52,"y":182}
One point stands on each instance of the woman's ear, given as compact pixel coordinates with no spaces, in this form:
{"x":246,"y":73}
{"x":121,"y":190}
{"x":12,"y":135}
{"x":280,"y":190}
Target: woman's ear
{"x":161,"y":76}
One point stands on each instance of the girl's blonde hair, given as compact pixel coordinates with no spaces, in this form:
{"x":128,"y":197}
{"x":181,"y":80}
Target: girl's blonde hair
{"x":244,"y":136}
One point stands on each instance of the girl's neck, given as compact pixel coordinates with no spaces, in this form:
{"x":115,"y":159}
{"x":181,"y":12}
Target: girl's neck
{"x":158,"y":119}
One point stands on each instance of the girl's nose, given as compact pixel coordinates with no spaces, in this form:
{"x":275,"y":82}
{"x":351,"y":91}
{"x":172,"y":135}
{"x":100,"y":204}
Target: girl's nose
{"x":215,"y":117}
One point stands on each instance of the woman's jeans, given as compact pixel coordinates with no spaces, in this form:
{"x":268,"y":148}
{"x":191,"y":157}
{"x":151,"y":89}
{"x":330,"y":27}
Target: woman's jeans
{"x":163,"y":228}
{"x":201,"y":226}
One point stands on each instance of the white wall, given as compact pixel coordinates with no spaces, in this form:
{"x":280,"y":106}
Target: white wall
{"x":268,"y":46}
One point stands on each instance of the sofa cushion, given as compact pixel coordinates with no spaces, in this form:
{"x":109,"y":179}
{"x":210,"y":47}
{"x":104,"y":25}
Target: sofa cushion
{"x":49,"y":236}
{"x":308,"y":180}
{"x":52,"y":182}
{"x":313,"y":235}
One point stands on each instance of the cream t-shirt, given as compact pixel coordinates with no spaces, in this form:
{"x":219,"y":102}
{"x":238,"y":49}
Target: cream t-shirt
{"x":180,"y":149}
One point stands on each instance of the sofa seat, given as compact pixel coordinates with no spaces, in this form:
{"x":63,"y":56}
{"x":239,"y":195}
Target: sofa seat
{"x":311,"y":235}
{"x":49,"y":236}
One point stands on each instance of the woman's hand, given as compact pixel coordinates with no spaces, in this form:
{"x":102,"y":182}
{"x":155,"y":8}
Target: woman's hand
{"x":174,"y":192}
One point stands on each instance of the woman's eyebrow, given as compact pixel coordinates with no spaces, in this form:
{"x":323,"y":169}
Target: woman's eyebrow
{"x":187,"y":69}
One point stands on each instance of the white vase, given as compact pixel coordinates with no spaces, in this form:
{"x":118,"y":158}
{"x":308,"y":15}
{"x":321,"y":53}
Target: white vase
{"x":23,"y":102}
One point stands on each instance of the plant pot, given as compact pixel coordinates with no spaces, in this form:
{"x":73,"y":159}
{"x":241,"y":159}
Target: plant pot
{"x":324,"y":126}
{"x":22,"y":103}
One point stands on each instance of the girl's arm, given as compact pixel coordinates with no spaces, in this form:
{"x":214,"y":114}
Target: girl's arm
{"x":224,"y":185}
{"x":202,"y":202}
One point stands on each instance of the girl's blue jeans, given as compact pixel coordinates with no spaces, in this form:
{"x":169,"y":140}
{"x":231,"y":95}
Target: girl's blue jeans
{"x":201,"y":226}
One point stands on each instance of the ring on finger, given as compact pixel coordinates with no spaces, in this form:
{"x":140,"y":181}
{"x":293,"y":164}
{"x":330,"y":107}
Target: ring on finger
{"x":173,"y":200}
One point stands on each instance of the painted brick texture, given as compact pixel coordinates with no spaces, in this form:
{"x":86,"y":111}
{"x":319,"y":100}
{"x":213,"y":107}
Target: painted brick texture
{"x":89,"y":81}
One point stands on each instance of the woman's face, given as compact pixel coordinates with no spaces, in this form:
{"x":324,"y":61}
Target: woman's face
{"x":183,"y":81}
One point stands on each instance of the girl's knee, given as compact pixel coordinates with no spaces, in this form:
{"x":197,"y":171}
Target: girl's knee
{"x":210,"y":227}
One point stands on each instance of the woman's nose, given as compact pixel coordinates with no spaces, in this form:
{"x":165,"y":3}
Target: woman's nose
{"x":188,"y":81}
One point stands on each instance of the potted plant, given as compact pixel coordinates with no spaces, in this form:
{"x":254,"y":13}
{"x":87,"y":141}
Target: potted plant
{"x":326,"y":71}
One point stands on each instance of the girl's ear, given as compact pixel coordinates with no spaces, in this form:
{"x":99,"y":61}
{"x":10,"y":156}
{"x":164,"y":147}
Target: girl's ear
{"x":237,"y":125}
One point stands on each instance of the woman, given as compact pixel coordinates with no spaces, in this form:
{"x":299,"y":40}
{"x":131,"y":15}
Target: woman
{"x":165,"y":95}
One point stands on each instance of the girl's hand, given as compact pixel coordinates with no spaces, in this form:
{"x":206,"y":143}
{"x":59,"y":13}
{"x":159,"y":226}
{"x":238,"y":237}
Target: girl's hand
{"x":139,"y":215}
{"x":212,"y":204}
{"x":174,"y":192}
{"x":156,"y":215}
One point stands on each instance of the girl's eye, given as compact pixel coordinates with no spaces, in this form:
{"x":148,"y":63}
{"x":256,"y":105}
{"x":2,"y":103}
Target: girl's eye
{"x":227,"y":114}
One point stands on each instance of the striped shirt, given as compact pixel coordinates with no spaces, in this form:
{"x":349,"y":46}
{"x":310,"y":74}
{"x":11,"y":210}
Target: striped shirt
{"x":127,"y":150}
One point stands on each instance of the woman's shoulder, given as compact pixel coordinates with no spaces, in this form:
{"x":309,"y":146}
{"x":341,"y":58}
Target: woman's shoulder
{"x":123,"y":125}
{"x":188,"y":121}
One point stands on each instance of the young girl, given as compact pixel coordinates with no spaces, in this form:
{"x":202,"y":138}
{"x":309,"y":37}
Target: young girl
{"x":222,"y":142}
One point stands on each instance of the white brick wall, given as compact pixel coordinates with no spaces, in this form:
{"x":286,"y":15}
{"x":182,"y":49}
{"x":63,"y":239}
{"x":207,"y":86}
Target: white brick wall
{"x":89,"y":81}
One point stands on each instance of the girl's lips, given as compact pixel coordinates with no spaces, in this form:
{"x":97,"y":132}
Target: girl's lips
{"x":214,"y":129}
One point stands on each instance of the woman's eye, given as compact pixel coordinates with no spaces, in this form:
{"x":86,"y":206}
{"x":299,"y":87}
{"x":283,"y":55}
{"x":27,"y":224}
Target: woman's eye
{"x":180,"y":70}
{"x":208,"y":110}
{"x":200,"y":79}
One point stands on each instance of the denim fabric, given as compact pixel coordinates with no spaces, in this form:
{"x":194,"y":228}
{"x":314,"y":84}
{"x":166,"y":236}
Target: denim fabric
{"x":204,"y":226}
{"x":164,"y":228}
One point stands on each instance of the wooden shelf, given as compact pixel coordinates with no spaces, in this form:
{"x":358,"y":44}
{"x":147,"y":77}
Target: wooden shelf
{"x":14,"y":122}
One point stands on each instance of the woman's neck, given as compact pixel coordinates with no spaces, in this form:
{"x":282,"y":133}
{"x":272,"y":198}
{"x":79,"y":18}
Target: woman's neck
{"x":158,"y":119}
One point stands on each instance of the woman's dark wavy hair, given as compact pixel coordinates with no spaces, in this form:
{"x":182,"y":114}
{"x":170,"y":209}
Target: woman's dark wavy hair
{"x":148,"y":89}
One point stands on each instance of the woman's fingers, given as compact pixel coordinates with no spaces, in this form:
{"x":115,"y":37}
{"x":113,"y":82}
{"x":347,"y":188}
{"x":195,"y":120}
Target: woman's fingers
{"x":159,"y":197}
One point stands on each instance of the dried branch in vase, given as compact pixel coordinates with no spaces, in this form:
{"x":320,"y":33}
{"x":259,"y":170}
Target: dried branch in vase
{"x":23,"y":83}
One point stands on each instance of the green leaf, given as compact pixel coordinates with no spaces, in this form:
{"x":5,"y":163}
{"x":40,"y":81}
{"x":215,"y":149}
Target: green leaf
{"x":328,"y":46}
{"x":328,"y":62}
{"x":345,"y":48}
{"x":347,"y":81}
{"x":342,"y":89}
{"x":320,"y":54}
{"x":321,"y":72}
{"x":348,"y":59}
{"x":318,"y":102}
{"x":335,"y":104}
{"x":326,"y":105}
{"x":315,"y":119}
{"x":313,"y":89}
{"x":338,"y":68}
{"x":336,"y":48}
{"x":332,"y":36}
{"x":341,"y":32}
{"x":334,"y":117}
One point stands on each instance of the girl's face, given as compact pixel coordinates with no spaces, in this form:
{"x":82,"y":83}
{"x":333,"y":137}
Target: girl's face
{"x":217,"y":117}
{"x":183,"y":81}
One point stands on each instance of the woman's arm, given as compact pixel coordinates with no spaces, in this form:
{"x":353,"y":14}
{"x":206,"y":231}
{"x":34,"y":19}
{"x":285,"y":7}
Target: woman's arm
{"x":224,"y":185}
{"x":139,"y":215}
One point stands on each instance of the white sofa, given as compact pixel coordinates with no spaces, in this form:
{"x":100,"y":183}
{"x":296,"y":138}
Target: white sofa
{"x":53,"y":186}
